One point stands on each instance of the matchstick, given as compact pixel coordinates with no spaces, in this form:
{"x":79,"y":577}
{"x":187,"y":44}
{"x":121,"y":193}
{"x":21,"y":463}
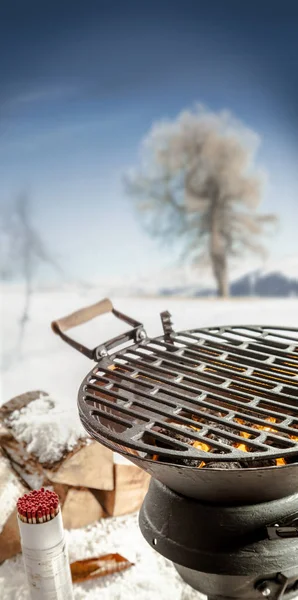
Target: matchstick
{"x":43,"y":546}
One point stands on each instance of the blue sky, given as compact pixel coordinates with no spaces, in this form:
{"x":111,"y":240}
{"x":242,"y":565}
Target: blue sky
{"x":81,"y":84}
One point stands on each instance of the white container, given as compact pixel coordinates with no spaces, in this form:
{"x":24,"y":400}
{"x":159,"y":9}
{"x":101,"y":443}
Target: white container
{"x":46,"y":560}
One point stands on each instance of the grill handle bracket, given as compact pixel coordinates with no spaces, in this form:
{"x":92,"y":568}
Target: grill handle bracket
{"x":86,"y":314}
{"x":167,"y":323}
{"x":284,"y":529}
{"x":283,"y":586}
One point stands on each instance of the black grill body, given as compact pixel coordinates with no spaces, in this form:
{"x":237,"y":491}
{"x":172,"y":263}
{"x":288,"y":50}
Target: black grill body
{"x":219,"y":383}
{"x":225,"y":552}
{"x":231,"y":532}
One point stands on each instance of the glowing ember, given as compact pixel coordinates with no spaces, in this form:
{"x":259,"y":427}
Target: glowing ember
{"x":201,"y":446}
{"x":279,"y":461}
{"x":242,"y":446}
{"x":38,"y":506}
{"x":239,"y":445}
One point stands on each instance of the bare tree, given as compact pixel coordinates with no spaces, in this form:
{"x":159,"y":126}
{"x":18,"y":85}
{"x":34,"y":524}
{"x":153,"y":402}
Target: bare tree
{"x":198,"y":183}
{"x":23,"y":251}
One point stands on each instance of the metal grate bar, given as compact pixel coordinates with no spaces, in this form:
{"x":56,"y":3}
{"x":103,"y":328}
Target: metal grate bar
{"x":174,"y":360}
{"x":267,"y":349}
{"x":254,"y":409}
{"x":245,"y":364}
{"x":208,"y":386}
{"x":255,"y":443}
{"x":204,"y":384}
{"x":264,"y":333}
{"x":230,"y":372}
{"x":211,"y":418}
{"x":195,"y":411}
{"x":237,"y":352}
{"x":246,"y":369}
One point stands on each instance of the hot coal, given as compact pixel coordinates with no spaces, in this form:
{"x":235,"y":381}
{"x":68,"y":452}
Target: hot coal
{"x":176,"y":436}
{"x":187,"y":462}
{"x":292,"y":460}
{"x":181,"y":438}
{"x":220,"y":464}
{"x":258,"y":464}
{"x":224,"y":429}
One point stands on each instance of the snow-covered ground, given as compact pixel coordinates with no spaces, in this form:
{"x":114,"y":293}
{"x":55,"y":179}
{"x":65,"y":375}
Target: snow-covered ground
{"x":151,"y":577}
{"x":44,"y":362}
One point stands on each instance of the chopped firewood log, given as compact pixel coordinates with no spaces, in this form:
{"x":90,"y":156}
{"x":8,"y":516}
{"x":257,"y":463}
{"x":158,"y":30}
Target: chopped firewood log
{"x":18,"y":402}
{"x":23,"y":463}
{"x":80,"y":509}
{"x":90,"y":485}
{"x":5,"y":434}
{"x":130,"y":488}
{"x":91,"y":568}
{"x":11,"y":487}
{"x":10,"y":543}
{"x":61,"y":491}
{"x":90,"y":466}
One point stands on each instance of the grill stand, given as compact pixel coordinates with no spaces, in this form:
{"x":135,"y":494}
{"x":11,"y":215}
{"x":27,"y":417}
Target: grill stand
{"x":224,"y":552}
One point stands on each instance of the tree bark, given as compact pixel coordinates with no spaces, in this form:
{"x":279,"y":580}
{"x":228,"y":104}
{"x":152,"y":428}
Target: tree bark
{"x":219,"y":265}
{"x":27,"y":268}
{"x":218,"y":253}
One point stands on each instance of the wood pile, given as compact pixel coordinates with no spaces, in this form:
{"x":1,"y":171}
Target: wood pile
{"x":11,"y":487}
{"x":90,"y":482}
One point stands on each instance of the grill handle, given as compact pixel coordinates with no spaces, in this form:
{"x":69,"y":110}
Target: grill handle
{"x":79,"y":317}
{"x":83,"y":315}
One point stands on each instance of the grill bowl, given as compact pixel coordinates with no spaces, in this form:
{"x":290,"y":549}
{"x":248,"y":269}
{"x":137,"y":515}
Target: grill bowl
{"x":234,"y":381}
{"x":234,"y":388}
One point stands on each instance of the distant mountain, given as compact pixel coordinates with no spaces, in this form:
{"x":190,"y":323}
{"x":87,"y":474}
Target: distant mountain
{"x":265,"y":284}
{"x":275,"y":278}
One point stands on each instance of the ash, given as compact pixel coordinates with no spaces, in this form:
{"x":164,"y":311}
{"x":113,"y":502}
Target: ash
{"x":222,"y":465}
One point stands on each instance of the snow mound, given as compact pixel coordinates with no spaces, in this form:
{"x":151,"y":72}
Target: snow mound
{"x":46,"y":428}
{"x":152,"y":576}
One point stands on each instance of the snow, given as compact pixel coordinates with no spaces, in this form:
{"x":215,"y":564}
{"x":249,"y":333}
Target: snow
{"x":151,"y":576}
{"x":47,"y":429}
{"x":46,"y":363}
{"x":9,"y":492}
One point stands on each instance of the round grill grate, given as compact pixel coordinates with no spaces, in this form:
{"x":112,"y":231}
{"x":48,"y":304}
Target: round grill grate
{"x":222,"y":393}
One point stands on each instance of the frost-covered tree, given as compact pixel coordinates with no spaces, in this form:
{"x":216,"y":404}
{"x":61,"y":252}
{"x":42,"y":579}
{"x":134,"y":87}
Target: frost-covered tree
{"x":23,"y":250}
{"x":198,"y":182}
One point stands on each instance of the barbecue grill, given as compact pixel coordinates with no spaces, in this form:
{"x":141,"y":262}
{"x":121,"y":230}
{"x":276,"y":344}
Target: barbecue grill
{"x":212,"y":415}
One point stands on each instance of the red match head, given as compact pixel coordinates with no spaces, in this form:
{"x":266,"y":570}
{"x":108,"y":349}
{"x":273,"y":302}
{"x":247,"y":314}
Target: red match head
{"x":37,"y":502}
